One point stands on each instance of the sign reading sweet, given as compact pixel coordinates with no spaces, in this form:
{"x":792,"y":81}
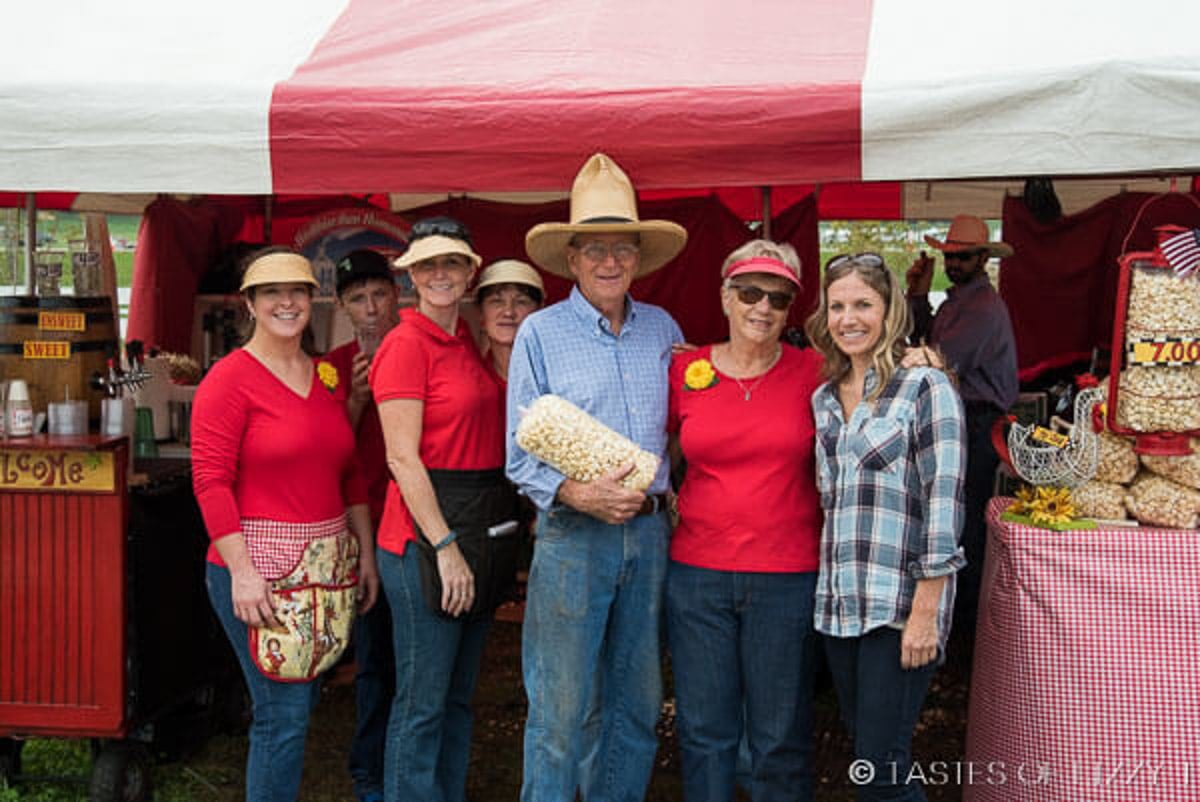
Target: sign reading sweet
{"x":62,"y":321}
{"x":46,"y":349}
{"x":57,"y":470}
{"x":1168,"y":351}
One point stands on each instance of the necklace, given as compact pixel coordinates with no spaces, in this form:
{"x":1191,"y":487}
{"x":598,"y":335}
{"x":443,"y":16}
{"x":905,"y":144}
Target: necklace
{"x":748,"y":389}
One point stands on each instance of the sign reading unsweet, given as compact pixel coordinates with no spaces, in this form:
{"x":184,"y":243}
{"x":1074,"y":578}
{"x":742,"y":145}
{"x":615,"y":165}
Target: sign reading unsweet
{"x":57,"y":470}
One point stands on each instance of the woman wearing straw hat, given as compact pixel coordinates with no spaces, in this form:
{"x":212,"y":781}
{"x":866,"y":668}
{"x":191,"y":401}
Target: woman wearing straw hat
{"x":508,"y":291}
{"x":739,"y":593}
{"x":442,"y":412}
{"x":276,"y":480}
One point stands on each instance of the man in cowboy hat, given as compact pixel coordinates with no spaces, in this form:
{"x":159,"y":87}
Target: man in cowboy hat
{"x":973,"y":331}
{"x":591,"y":637}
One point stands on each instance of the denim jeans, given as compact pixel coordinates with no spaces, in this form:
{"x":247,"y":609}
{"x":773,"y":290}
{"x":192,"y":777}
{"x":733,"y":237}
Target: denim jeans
{"x":977,"y":489}
{"x":374,"y":687}
{"x":281,"y":709}
{"x":743,"y":652}
{"x":880,"y":704}
{"x":590,"y":657}
{"x":437,"y":663}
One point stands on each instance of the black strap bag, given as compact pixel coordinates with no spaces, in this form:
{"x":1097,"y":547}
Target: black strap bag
{"x":482,"y":509}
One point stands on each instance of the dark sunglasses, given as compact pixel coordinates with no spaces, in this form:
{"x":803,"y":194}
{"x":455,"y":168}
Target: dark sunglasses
{"x":440,"y":227}
{"x":866,"y":258}
{"x":960,"y":256}
{"x":750,"y":295}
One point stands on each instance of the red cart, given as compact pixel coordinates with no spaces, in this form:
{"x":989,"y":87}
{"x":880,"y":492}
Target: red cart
{"x":104,"y":624}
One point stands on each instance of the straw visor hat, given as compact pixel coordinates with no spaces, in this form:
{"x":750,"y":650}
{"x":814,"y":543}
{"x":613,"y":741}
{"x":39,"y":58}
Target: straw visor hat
{"x":968,"y":233}
{"x":278,"y":268}
{"x":510,"y":271}
{"x":436,"y":245}
{"x":603,"y":202}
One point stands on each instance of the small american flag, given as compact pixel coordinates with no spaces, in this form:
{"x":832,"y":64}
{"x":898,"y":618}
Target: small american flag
{"x":1183,"y":251}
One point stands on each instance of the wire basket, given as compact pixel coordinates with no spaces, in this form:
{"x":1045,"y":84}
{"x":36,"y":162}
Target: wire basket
{"x":1069,"y":465}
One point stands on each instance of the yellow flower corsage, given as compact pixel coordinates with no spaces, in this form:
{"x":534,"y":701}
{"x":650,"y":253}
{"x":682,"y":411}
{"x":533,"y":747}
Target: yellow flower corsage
{"x":699,"y":375}
{"x":328,"y":375}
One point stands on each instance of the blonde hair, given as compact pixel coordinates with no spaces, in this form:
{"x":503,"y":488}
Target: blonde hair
{"x":783,"y":251}
{"x":889,"y":350}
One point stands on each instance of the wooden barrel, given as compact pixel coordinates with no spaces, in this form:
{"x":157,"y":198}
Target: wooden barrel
{"x":54,"y":343}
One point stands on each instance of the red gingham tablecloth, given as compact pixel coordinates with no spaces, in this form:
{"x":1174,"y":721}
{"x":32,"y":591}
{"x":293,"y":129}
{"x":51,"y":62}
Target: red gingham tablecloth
{"x":1086,"y":684}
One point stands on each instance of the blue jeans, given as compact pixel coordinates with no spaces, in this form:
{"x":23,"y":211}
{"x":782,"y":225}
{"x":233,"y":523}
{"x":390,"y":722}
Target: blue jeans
{"x":281,"y":709}
{"x":374,"y":687}
{"x":437,"y":663}
{"x":742,"y":650}
{"x":880,"y":704}
{"x":590,"y":656}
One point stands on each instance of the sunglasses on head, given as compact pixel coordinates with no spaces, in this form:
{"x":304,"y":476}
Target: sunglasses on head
{"x":866,"y":258}
{"x":951,"y":256}
{"x":440,"y":227}
{"x":751,"y":295}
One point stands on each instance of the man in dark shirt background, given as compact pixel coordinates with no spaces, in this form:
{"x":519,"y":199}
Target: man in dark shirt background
{"x":973,"y":331}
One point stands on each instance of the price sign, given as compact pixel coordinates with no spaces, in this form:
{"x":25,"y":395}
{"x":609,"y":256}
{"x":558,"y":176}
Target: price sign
{"x":1168,"y":351}
{"x":1049,"y":437}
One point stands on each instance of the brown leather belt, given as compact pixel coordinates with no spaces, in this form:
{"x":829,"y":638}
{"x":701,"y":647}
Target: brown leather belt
{"x":653,"y":504}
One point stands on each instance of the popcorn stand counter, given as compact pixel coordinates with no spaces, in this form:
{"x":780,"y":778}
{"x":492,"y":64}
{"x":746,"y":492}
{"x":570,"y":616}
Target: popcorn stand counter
{"x":1086,"y":684}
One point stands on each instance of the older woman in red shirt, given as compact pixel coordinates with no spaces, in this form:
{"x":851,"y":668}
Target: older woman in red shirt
{"x":740,"y":585}
{"x":275,"y":476}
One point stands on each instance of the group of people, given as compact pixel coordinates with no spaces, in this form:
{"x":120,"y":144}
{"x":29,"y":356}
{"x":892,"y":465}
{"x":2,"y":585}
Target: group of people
{"x":820,"y":507}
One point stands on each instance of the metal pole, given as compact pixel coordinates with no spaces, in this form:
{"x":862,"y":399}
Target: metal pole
{"x":765,"y":195}
{"x":30,"y":239}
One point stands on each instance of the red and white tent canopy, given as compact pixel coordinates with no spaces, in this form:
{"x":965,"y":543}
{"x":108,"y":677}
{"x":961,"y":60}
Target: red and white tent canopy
{"x":326,"y":96}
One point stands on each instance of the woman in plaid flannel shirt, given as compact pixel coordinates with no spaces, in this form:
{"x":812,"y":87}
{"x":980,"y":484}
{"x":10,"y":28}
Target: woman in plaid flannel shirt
{"x":890,"y":463}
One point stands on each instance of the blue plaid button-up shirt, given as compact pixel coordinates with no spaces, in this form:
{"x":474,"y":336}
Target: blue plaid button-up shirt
{"x":569,"y":349}
{"x":891,"y":482}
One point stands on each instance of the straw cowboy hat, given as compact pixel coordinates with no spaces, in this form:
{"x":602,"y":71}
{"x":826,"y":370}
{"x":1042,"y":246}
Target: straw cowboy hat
{"x":603,"y":202}
{"x":968,"y":233}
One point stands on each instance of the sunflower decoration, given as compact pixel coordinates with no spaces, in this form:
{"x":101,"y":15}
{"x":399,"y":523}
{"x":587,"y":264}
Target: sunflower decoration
{"x":1046,"y":507}
{"x":1024,"y":502}
{"x":1052,"y":507}
{"x":328,"y":375}
{"x":699,"y":375}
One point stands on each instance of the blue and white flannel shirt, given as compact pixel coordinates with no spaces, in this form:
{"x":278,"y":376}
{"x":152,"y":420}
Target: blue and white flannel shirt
{"x":569,"y":349}
{"x":891,"y":483}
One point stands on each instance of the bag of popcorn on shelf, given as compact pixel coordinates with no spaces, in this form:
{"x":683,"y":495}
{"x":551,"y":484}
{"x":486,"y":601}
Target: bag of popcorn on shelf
{"x":1157,"y":501}
{"x":580,"y":447}
{"x":1184,"y":469}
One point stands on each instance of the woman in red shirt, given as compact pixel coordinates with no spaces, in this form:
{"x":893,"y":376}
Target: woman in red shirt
{"x":740,"y":585}
{"x":509,"y":291}
{"x":275,"y":476}
{"x":442,"y":411}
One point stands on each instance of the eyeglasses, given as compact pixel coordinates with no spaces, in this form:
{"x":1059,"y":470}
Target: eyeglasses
{"x":439,"y":227}
{"x":866,"y":258}
{"x":623,"y":252}
{"x":751,"y":295}
{"x":960,"y":256}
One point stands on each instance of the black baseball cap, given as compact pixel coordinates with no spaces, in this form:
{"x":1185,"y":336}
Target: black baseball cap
{"x":361,"y":265}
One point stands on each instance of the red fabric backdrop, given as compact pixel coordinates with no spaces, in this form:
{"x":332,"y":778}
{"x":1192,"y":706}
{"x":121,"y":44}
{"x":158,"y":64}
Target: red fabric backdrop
{"x":179,"y":241}
{"x":1060,"y":285}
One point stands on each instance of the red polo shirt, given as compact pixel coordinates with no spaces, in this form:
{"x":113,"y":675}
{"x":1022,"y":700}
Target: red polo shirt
{"x":749,"y":501}
{"x":463,"y":423}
